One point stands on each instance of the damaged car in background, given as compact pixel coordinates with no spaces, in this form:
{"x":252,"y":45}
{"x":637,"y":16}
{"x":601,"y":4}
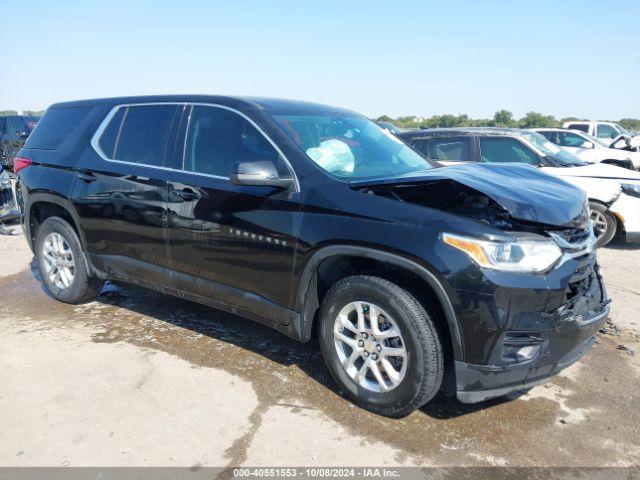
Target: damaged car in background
{"x":590,"y":149}
{"x":613,"y":192}
{"x":477,"y":280}
{"x":8,"y":209}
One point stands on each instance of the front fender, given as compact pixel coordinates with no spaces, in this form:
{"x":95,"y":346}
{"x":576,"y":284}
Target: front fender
{"x":306,"y":300}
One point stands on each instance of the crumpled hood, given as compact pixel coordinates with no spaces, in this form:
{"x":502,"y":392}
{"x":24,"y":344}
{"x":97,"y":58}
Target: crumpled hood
{"x":597,"y":170}
{"x":524,"y":191}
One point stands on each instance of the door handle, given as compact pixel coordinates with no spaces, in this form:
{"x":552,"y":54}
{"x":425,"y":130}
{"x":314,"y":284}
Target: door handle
{"x":87,"y":177}
{"x":186,"y":194}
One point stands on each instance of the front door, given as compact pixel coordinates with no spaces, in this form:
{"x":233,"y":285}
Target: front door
{"x":230,"y":245}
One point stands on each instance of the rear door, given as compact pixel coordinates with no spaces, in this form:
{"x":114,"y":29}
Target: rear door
{"x":121,"y":192}
{"x":230,"y":244}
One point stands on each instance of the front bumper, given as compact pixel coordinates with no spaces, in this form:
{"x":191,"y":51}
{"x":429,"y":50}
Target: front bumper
{"x":528,"y":342}
{"x":627,"y":209}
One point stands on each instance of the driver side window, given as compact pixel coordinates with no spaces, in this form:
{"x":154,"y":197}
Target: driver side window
{"x":219,"y":138}
{"x":606,"y":131}
{"x":570,"y":140}
{"x":506,"y":150}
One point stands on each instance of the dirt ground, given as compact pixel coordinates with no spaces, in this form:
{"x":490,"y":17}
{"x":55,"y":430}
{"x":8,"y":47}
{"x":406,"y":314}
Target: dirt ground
{"x":137,"y":378}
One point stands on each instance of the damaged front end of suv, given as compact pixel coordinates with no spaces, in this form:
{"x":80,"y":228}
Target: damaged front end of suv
{"x":527,"y":289}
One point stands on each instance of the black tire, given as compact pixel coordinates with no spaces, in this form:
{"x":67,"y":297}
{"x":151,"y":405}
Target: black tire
{"x":601,"y":214}
{"x":425,"y":366}
{"x":83,"y":287}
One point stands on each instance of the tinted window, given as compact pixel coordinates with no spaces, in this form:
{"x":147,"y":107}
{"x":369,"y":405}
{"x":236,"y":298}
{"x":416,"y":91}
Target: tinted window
{"x":109,"y":136}
{"x":579,"y":126}
{"x":55,"y":126}
{"x":502,"y":150}
{"x":606,"y":131}
{"x":450,"y":149}
{"x":145,"y":132}
{"x":219,"y":138}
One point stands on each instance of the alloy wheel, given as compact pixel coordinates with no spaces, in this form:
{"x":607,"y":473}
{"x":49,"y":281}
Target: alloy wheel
{"x":59,"y":263}
{"x":600,"y":223}
{"x":370,"y":346}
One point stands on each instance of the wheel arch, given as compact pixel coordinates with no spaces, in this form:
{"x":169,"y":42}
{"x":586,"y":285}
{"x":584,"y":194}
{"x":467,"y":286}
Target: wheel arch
{"x":307,"y":300}
{"x":36,"y":201}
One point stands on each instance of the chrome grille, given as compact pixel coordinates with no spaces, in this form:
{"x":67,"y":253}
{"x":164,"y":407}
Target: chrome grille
{"x":575,"y":242}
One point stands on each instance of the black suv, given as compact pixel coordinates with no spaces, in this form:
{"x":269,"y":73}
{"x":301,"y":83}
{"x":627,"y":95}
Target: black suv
{"x":478,"y":280}
{"x":14,"y":129}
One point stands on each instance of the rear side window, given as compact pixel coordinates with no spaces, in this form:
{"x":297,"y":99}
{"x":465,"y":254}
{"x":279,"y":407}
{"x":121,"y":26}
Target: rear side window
{"x":579,"y":126}
{"x":140,"y":134}
{"x":109,"y":137}
{"x":218,"y":138}
{"x":551,"y":136}
{"x":504,"y":150}
{"x":55,"y":126}
{"x":450,"y":149}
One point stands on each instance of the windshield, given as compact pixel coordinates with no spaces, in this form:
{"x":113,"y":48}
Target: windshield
{"x":556,"y":155}
{"x":623,"y":130}
{"x":351,"y":147}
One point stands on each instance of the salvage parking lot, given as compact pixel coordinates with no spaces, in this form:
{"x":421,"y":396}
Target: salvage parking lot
{"x":139,"y":378}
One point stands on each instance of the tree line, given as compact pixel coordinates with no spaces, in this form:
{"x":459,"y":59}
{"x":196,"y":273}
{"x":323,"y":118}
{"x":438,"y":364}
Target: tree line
{"x":502,"y":118}
{"x":38,"y":113}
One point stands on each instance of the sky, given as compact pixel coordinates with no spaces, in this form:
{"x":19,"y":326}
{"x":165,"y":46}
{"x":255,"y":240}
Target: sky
{"x":563,"y":58}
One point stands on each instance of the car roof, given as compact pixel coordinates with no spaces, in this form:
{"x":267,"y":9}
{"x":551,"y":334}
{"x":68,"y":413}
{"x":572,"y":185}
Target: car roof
{"x":463,"y":131}
{"x":270,"y":105}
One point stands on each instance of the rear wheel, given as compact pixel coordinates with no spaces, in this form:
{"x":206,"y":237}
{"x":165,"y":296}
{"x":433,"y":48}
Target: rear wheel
{"x":604,"y":223}
{"x":380,"y":345}
{"x":62,"y":263}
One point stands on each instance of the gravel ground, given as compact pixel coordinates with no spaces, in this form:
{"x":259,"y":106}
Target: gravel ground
{"x":137,"y":378}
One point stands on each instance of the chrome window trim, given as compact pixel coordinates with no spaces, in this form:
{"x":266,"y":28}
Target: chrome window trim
{"x":95,"y":139}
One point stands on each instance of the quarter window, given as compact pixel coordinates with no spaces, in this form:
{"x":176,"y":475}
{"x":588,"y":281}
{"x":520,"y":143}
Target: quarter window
{"x":219,"y":138}
{"x":450,"y":149}
{"x":505,"y":150}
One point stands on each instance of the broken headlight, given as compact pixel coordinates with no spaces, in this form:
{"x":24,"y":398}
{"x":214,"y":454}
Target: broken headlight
{"x":632,"y":189}
{"x":519,"y":256}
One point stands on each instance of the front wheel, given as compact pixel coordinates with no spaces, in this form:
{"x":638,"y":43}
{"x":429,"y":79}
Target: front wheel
{"x":380,"y":345}
{"x":604,"y":223}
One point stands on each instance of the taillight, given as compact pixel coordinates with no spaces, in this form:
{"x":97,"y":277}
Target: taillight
{"x":19,"y":163}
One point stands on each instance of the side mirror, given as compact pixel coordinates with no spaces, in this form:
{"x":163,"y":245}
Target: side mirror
{"x":262,"y":173}
{"x":586,"y":144}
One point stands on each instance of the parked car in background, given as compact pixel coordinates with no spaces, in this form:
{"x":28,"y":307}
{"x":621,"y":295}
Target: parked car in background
{"x":613,"y":192}
{"x":478,"y":280}
{"x":14,"y":129}
{"x":7,"y":204}
{"x":590,"y":149}
{"x":610,"y":133}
